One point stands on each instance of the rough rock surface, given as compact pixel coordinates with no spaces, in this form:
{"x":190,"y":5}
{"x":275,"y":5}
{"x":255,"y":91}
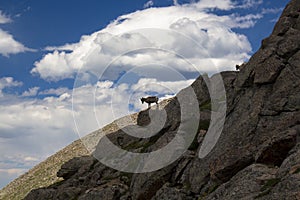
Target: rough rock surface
{"x":256,"y":157}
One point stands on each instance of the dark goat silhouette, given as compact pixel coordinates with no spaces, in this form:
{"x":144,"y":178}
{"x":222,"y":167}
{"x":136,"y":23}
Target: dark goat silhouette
{"x":149,"y":100}
{"x":239,"y":67}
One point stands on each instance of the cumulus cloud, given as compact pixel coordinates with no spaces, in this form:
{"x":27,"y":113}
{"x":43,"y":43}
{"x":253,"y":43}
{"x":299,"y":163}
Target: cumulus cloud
{"x":184,"y":32}
{"x":58,"y":61}
{"x":161,"y":87}
{"x":8,"y":45}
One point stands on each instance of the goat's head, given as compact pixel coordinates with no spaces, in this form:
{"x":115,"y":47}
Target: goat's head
{"x":143,"y":99}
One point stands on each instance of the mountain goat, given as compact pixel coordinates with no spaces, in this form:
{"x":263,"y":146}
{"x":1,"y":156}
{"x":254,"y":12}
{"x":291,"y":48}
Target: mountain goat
{"x":149,"y":100}
{"x":239,"y":67}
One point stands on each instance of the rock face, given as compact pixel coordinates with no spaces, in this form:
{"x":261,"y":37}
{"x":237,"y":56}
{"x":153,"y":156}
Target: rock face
{"x":256,"y":157}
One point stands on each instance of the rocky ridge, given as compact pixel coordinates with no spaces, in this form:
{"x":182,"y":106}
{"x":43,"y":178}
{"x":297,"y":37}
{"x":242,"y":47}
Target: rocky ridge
{"x":256,"y":157}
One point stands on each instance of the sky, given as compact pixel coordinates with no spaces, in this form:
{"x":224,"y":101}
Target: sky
{"x":69,"y":67}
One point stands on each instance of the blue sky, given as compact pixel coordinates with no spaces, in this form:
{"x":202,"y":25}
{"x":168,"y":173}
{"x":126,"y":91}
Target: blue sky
{"x":107,"y":47}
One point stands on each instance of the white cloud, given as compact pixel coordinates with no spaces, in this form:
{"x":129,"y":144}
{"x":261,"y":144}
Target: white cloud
{"x":30,"y":158}
{"x":12,"y":171}
{"x":6,"y":82}
{"x":31,"y":92}
{"x":186,"y":30}
{"x":148,"y":4}
{"x":17,"y":161}
{"x":271,"y":10}
{"x":28,"y":126}
{"x":65,"y":47}
{"x":52,"y":91}
{"x":175,"y":2}
{"x":215,"y":4}
{"x":31,"y":115}
{"x":8,"y":45}
{"x":248,"y":3}
{"x":246,"y":21}
{"x":161,"y":87}
{"x":4,"y":19}
{"x":55,"y":64}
